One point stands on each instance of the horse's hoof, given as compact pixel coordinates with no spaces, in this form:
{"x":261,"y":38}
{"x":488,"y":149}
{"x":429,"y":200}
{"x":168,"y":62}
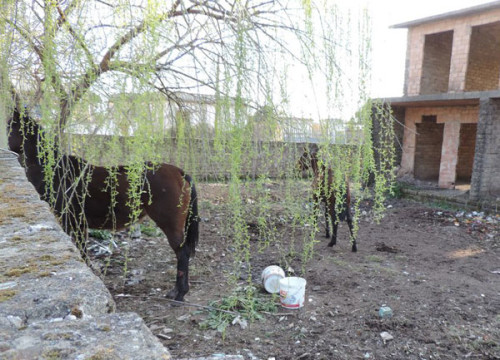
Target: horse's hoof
{"x":331,"y":243}
{"x":354,"y":248}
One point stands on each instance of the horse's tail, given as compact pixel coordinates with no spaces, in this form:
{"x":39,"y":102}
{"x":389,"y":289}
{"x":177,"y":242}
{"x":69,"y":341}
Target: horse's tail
{"x":191,"y":229}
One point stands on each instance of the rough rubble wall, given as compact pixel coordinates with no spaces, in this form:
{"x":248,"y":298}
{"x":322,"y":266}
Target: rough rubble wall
{"x":485,"y":180}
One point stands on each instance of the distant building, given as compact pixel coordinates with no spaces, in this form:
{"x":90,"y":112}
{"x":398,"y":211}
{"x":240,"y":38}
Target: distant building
{"x":451,"y":102}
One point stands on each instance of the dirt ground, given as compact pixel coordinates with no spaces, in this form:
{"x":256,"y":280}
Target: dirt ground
{"x":438,"y":270}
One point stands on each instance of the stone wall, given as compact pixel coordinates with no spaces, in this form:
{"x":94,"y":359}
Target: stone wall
{"x":485,"y":180}
{"x":198,"y":157}
{"x":52,"y":306}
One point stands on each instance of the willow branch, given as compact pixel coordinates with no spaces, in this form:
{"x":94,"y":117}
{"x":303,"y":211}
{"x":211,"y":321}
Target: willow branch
{"x":40,"y":52}
{"x":63,"y":19}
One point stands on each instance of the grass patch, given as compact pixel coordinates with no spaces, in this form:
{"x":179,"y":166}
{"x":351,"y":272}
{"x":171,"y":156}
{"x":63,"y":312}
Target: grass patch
{"x":7,"y":214}
{"x":374,"y":258}
{"x":397,"y":190}
{"x":339,"y":262}
{"x":443,"y":205}
{"x":7,"y":294}
{"x":15,"y":272}
{"x":387,"y":270}
{"x":54,"y":354}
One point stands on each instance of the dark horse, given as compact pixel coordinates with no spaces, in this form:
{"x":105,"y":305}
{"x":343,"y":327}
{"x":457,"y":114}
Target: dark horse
{"x":83,"y":198}
{"x":323,"y":192}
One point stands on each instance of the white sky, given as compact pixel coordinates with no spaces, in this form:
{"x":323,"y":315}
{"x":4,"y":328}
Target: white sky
{"x":389,"y":45}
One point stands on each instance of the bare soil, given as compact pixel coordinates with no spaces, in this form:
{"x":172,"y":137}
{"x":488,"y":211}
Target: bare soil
{"x":438,"y":270}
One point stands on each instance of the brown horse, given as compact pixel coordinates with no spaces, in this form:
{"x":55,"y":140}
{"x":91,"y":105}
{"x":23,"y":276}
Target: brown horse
{"x":323,"y":192}
{"x":83,"y":197}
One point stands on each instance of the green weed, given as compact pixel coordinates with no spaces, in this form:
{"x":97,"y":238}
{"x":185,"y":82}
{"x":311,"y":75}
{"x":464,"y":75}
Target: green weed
{"x":148,"y":228}
{"x":100,"y":234}
{"x":244,"y":304}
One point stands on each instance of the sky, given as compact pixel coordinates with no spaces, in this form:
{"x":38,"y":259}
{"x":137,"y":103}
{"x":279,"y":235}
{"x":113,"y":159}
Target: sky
{"x":389,"y":45}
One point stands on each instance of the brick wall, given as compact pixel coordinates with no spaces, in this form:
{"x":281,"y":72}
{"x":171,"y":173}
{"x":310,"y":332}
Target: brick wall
{"x":462,"y":29}
{"x":428,"y":151}
{"x":483,"y":68}
{"x":436,"y":65}
{"x":413,"y":116}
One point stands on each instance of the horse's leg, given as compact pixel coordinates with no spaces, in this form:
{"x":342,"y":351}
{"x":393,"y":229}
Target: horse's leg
{"x":349,"y":223}
{"x":327,"y":221}
{"x":316,"y":208}
{"x":335,"y":225}
{"x":334,"y":219}
{"x":182,"y":279}
{"x":333,"y":241}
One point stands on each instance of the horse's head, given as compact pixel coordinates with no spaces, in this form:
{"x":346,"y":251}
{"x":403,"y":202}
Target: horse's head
{"x":308,"y":157}
{"x":22,"y":132}
{"x":14,"y":132}
{"x":304,"y":161}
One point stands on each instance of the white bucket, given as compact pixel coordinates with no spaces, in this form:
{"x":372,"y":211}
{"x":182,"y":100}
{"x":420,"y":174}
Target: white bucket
{"x":292,"y":292}
{"x":271,"y":277}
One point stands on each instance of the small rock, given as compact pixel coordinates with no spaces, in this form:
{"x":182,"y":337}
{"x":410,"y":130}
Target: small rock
{"x":8,"y":285}
{"x":40,"y":227}
{"x":184,"y":317}
{"x":15,"y":321}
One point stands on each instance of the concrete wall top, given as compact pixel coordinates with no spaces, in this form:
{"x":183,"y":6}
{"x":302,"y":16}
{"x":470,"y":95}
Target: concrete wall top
{"x":51,"y":304}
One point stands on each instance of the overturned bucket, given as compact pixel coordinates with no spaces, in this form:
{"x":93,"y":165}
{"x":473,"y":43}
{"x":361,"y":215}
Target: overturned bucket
{"x":271,"y":277}
{"x":292,"y":292}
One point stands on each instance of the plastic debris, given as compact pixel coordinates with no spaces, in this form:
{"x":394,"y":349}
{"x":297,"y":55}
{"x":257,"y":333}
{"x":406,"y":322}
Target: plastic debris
{"x":386,"y":336}
{"x":241,"y":322}
{"x":385,"y":312}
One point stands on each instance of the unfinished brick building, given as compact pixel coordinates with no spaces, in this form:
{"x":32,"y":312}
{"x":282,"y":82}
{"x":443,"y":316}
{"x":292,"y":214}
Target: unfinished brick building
{"x":451,"y":101}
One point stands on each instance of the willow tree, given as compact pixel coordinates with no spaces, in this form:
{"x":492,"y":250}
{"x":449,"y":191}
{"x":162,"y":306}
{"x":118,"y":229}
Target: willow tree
{"x":89,"y":65}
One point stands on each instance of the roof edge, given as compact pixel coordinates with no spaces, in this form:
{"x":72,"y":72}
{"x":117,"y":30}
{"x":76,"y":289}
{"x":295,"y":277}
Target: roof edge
{"x":451,"y":14}
{"x":459,"y":98}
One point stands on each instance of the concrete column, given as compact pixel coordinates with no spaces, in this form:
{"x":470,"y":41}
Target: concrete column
{"x":409,"y":141}
{"x":449,"y":155}
{"x":414,"y":61}
{"x":459,"y":58}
